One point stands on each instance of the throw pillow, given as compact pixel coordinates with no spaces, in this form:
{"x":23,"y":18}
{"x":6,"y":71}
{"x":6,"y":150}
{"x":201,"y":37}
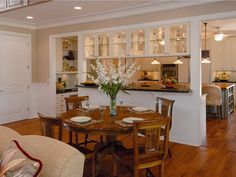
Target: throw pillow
{"x":15,"y":162}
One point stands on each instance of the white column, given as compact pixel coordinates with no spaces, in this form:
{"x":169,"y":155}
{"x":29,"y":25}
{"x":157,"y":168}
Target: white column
{"x":199,"y":116}
{"x":82,"y":63}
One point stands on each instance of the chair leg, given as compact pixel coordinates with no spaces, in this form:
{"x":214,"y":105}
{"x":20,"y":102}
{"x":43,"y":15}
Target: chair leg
{"x":114,"y":166}
{"x":94,"y":166}
{"x":101,"y":138}
{"x":136,"y":172}
{"x":169,"y":152}
{"x":86,"y":139}
{"x":76,"y":138}
{"x":161,"y":169}
{"x":218,"y":112}
{"x":70,"y":137}
{"x":60,"y":132}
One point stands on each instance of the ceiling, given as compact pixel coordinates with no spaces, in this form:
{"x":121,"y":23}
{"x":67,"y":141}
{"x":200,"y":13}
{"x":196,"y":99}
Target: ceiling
{"x":227,"y":26}
{"x":62,"y":11}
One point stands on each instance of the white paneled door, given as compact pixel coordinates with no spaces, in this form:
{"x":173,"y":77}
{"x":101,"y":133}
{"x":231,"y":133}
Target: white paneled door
{"x":14,"y":77}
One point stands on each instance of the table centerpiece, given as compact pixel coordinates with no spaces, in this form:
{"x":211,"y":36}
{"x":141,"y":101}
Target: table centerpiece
{"x":111,"y":79}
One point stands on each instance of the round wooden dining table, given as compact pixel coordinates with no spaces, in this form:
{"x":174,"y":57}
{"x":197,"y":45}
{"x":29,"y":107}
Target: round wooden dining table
{"x":109,"y":126}
{"x":103,"y":123}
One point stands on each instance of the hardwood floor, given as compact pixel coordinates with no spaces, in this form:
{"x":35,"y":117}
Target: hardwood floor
{"x":215,"y":158}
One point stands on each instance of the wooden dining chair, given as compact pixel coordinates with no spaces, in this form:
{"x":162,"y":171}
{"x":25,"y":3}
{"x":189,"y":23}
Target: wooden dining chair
{"x":72,"y":103}
{"x":164,"y":106}
{"x":213,"y":98}
{"x":151,"y":152}
{"x":48,"y":125}
{"x":88,"y":153}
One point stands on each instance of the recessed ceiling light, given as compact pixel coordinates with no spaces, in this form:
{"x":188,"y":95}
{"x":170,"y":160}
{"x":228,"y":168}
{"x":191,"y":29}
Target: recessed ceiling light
{"x":77,"y":7}
{"x":30,"y":17}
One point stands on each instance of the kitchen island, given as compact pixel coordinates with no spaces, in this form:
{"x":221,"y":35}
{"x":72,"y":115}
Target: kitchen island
{"x":228,"y":94}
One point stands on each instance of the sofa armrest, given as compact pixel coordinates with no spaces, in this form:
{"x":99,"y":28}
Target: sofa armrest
{"x":6,"y":135}
{"x":58,"y":158}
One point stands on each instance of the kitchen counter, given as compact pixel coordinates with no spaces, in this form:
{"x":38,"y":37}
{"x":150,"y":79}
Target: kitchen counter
{"x":224,"y":81}
{"x":183,"y":89}
{"x":224,"y":86}
{"x":68,"y":90}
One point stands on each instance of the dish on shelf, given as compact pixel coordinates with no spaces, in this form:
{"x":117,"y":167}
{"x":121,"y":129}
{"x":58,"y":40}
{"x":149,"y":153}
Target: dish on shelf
{"x":81,"y":119}
{"x":130,"y":120}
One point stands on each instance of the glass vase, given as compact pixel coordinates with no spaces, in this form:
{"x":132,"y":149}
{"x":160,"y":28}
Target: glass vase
{"x":113,"y":111}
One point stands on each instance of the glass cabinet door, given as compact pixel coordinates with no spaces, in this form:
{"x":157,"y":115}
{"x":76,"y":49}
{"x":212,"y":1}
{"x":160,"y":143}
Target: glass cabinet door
{"x":119,"y":44}
{"x":137,"y":40}
{"x":89,"y":46}
{"x":157,"y":41}
{"x":103,"y":45}
{"x":178,"y":39}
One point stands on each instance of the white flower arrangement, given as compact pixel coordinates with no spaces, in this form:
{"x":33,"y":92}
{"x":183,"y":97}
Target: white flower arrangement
{"x":110,"y":78}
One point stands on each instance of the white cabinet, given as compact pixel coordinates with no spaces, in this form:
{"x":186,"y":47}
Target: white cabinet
{"x":170,"y":40}
{"x":60,"y":101}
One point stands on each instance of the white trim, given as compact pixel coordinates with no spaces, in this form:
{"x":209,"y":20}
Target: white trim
{"x":16,"y":34}
{"x":17,"y":23}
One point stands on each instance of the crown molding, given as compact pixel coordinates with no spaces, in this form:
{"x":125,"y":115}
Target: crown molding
{"x":17,"y":23}
{"x":111,"y":14}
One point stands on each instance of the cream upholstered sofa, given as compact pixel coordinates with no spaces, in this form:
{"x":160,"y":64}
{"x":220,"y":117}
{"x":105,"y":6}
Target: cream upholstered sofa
{"x":58,"y":158}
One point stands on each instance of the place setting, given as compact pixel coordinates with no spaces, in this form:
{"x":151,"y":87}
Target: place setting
{"x":84,"y":120}
{"x":140,"y":110}
{"x":128,"y":121}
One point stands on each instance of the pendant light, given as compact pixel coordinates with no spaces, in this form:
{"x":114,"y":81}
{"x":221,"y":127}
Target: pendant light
{"x":218,"y":36}
{"x":155,"y":62}
{"x":178,"y":61}
{"x":205,"y":60}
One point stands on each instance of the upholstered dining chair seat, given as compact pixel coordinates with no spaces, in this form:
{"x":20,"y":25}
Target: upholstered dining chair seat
{"x":214,"y":97}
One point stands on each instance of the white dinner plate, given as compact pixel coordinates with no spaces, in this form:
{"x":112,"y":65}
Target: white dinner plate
{"x":131,"y":120}
{"x":81,"y":119}
{"x":140,"y":109}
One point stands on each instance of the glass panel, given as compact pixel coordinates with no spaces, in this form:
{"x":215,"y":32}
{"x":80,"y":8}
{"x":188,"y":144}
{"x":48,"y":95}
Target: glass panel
{"x":103,"y":45}
{"x":178,"y":39}
{"x":119,"y":44}
{"x":137,"y":42}
{"x":89,"y":46}
{"x":157,"y":41}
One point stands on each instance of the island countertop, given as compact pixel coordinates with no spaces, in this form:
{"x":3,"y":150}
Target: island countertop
{"x":183,"y":89}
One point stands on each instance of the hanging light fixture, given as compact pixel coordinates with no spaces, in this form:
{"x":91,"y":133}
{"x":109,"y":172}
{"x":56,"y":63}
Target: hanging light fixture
{"x":219,"y":35}
{"x":205,"y":59}
{"x":178,"y":61}
{"x":155,"y":62}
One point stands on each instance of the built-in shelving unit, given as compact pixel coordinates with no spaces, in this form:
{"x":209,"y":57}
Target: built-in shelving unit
{"x":66,"y":70}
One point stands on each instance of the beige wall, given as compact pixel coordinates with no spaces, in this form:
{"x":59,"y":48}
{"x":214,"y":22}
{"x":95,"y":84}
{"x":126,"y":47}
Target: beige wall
{"x":27,"y":31}
{"x":42,"y":35}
